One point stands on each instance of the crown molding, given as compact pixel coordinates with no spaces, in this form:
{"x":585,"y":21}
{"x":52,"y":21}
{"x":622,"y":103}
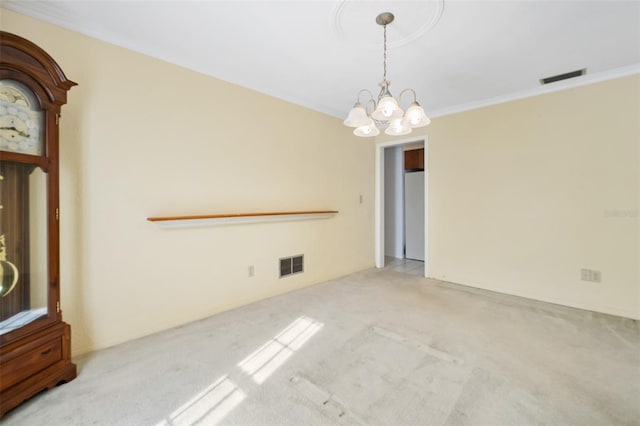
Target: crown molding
{"x":42,"y":10}
{"x":541,"y":90}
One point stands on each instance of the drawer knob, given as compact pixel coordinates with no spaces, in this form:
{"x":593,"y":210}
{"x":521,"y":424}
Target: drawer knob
{"x":47,"y":352}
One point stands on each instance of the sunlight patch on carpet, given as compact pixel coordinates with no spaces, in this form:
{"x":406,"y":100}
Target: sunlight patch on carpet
{"x":209,"y":406}
{"x":263,"y":362}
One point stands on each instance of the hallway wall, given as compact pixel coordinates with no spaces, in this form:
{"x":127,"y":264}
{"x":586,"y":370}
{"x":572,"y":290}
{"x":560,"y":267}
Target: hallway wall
{"x":394,"y":201}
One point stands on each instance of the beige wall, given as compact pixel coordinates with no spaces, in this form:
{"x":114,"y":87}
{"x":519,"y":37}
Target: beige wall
{"x":140,"y":138}
{"x":524,"y":194}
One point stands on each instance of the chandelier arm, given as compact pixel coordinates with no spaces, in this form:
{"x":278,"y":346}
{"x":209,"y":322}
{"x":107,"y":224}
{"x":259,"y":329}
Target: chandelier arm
{"x":365,"y":91}
{"x":403,"y":92}
{"x":384,"y":90}
{"x":372,"y":102}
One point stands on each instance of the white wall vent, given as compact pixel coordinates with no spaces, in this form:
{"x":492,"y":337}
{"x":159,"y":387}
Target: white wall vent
{"x":291,"y":265}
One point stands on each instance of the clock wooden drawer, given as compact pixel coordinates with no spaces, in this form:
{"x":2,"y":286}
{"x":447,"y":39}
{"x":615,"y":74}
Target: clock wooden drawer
{"x":30,"y":362}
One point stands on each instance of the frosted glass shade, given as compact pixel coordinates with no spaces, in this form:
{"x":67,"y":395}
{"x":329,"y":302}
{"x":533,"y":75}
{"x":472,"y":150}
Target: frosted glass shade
{"x":398,"y":128}
{"x":357,"y":116}
{"x":387,"y":110}
{"x":367,"y":130}
{"x":415,"y":116}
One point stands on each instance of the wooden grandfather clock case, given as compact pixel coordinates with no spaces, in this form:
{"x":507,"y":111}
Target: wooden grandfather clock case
{"x":35,"y":344}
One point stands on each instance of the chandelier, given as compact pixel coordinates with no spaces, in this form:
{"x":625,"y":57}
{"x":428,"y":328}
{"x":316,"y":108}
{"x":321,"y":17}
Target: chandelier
{"x":385,"y":113}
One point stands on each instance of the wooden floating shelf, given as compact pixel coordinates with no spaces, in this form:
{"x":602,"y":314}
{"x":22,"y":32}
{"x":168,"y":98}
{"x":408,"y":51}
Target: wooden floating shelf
{"x":237,"y":218}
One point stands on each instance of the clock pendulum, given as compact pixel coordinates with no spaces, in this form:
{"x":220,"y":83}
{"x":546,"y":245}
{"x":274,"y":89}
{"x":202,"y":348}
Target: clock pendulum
{"x":8,"y":271}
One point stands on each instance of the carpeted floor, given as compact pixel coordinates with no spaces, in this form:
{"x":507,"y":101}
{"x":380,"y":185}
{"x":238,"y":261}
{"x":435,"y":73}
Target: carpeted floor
{"x":377,"y":347}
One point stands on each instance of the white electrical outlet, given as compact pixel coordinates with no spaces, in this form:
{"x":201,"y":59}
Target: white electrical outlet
{"x":585,"y":274}
{"x":251,"y":271}
{"x":591,"y":275}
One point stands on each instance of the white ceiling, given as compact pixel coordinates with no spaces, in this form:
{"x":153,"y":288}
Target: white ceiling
{"x":455,"y":54}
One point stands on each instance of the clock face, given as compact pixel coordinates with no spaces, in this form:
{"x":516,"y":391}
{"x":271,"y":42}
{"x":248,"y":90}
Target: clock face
{"x":21,"y":122}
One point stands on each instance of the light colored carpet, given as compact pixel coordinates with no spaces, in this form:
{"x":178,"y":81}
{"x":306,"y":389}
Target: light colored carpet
{"x":377,"y":347}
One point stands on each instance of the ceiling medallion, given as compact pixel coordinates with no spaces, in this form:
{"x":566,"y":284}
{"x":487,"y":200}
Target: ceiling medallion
{"x":350,"y":20}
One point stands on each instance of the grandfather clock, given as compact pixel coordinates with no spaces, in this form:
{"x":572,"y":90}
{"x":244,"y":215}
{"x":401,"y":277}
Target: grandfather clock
{"x":34,"y":341}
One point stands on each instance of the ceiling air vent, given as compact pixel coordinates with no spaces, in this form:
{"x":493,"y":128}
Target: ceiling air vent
{"x":564,"y":76}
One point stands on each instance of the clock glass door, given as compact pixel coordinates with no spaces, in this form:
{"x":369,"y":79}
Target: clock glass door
{"x":23,"y":209}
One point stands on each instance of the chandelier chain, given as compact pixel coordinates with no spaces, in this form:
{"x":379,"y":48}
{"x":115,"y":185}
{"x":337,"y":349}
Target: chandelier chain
{"x":384,"y":79}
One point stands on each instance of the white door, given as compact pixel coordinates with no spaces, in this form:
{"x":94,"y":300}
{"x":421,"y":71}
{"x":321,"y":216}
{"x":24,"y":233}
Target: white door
{"x":414,"y":215}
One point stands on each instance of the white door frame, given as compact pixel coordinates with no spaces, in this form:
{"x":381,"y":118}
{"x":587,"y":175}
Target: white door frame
{"x":379,"y":199}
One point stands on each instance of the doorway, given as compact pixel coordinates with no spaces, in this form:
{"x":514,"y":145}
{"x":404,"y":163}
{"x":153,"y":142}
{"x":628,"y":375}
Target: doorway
{"x":381,"y":153}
